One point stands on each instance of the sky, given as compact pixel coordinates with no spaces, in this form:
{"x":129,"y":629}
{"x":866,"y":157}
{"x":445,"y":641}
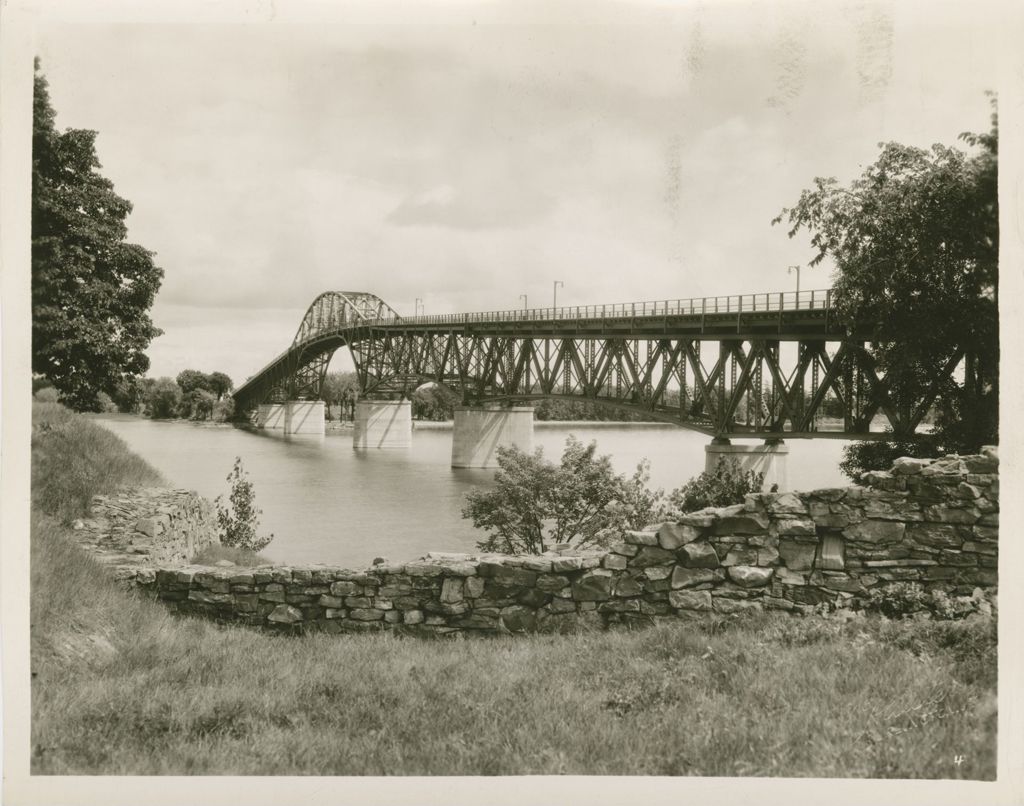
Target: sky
{"x":465,"y":161}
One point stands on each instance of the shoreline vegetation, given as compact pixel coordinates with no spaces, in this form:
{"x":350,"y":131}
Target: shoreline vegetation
{"x":120,"y":686}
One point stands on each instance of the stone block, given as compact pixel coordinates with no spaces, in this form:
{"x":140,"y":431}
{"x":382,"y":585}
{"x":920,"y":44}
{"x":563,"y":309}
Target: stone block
{"x":789,"y":577}
{"x":657,"y":572}
{"x":652,"y":555}
{"x":641,"y":538}
{"x":690,"y":600}
{"x":564,"y":564}
{"x":518,"y":619}
{"x":615,"y":562}
{"x":875,"y":531}
{"x":424,"y":569}
{"x":688,"y":577}
{"x":452,"y":590}
{"x":673,"y":535}
{"x":767,"y":556}
{"x":722,"y":605}
{"x":412,"y":617}
{"x":551,"y":582}
{"x":741,"y":523}
{"x":344,"y":588}
{"x":542,"y":565}
{"x":285,"y":614}
{"x":533,"y":598}
{"x":944,"y":514}
{"x":515,"y":576}
{"x":702,"y":519}
{"x":908,"y":466}
{"x":627,"y":586}
{"x":740,"y":556}
{"x":620,"y":606}
{"x":892,"y":510}
{"x":750,"y":576}
{"x":785,"y":504}
{"x":474,"y":587}
{"x":592,"y":587}
{"x":938,"y":535}
{"x":794,"y":526}
{"x":561,"y":606}
{"x":698,"y":555}
{"x":981,"y":548}
{"x":330,"y":601}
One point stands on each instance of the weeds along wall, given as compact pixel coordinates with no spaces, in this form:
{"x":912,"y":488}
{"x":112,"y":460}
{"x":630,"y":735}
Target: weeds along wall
{"x":935,"y":522}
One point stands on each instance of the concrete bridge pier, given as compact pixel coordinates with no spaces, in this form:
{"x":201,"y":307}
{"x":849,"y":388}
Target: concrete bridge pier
{"x":770,"y":458}
{"x":478,"y":432}
{"x":382,"y":424}
{"x":292,"y":417}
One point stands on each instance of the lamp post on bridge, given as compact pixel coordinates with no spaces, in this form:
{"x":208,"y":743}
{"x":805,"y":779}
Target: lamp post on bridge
{"x":554,"y":300}
{"x":417,"y":306}
{"x":790,"y":271}
{"x":523,"y":298}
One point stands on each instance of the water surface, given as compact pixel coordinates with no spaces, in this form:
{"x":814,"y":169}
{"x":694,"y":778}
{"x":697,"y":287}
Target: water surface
{"x":327,"y":503}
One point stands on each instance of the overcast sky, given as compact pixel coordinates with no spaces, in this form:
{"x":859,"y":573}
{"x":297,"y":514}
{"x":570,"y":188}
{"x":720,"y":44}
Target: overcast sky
{"x":467,"y":163}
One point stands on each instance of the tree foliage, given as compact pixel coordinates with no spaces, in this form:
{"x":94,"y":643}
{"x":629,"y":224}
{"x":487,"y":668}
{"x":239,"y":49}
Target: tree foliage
{"x":434,"y":402}
{"x":724,"y":486}
{"x":163,"y":399}
{"x":915,"y":243}
{"x":860,"y":457}
{"x":239,"y":524}
{"x":91,"y":289}
{"x":536,"y":504}
{"x":340,"y":389}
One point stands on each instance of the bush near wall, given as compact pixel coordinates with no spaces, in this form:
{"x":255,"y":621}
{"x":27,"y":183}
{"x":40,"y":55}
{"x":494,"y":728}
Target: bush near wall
{"x":932,"y":522}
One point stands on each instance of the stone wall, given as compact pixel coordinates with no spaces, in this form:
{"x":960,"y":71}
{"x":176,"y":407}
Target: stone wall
{"x":147,"y":527}
{"x":931,"y":521}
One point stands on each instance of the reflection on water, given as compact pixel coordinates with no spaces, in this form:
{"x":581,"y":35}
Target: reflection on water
{"x":326,"y":503}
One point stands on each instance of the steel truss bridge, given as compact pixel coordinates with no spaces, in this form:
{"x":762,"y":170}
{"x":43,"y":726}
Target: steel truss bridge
{"x":759,"y":365}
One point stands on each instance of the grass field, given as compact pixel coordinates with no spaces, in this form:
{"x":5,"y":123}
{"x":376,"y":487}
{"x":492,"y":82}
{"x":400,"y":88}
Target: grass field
{"x":121,"y":686}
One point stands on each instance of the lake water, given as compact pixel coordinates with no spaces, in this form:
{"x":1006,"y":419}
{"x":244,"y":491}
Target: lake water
{"x":327,"y":503}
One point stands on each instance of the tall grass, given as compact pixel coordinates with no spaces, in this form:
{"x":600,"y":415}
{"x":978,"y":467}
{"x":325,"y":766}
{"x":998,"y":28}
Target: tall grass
{"x":122,"y":687}
{"x":74,"y":459}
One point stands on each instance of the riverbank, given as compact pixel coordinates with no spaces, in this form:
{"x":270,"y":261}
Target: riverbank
{"x":120,"y":686}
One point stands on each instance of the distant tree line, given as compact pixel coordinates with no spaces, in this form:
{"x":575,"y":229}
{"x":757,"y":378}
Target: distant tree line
{"x":192,"y":395}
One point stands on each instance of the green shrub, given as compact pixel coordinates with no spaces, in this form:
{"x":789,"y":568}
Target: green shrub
{"x":727,"y":484}
{"x":238,"y":524}
{"x":900,"y":599}
{"x":860,"y":457}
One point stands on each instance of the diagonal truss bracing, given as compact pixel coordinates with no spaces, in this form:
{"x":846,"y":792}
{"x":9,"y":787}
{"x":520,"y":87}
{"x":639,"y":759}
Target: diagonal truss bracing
{"x":724,"y":370}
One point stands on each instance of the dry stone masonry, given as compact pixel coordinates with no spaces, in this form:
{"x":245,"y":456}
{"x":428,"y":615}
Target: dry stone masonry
{"x":935,"y":522}
{"x":145,"y":527}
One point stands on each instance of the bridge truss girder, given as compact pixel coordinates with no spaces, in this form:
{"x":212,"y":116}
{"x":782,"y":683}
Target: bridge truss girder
{"x":723,"y":386}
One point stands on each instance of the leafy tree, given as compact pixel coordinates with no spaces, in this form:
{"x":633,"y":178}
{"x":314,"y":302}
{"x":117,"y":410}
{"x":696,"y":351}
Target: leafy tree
{"x":201,"y":404}
{"x":239,"y":524}
{"x":915,"y":243}
{"x":724,"y":486}
{"x":220,"y":384}
{"x":434,"y":402}
{"x":191,"y":379}
{"x":224,"y":410}
{"x":163,"y":399}
{"x":536,"y":504}
{"x":339,"y":389}
{"x":91,"y":290}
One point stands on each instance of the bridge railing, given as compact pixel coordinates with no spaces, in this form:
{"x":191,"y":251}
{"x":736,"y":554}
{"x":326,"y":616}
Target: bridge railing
{"x":817,"y":299}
